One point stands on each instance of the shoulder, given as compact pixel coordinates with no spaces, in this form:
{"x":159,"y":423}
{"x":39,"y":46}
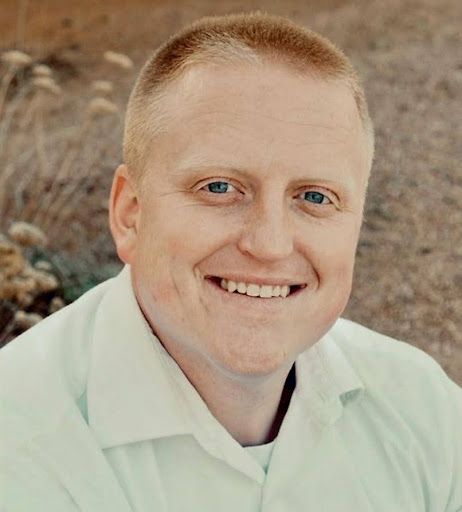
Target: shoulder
{"x":411,"y":399}
{"x":373,"y":353}
{"x":392,"y":367}
{"x":404,"y":386}
{"x":401,"y":381}
{"x":43,"y":371}
{"x":397,"y":375}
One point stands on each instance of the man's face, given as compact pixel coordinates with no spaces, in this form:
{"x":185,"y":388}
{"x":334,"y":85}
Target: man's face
{"x":260,"y":178}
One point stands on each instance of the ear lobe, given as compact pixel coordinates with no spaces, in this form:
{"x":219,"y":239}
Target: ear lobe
{"x":124,"y":214}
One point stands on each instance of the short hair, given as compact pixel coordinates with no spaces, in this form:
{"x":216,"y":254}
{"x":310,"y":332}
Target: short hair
{"x":254,"y":38}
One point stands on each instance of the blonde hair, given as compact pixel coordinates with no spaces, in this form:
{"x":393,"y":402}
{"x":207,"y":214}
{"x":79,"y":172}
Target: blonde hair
{"x":254,"y":38}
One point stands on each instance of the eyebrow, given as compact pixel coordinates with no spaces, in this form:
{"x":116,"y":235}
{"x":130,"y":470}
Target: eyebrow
{"x":194,"y":170}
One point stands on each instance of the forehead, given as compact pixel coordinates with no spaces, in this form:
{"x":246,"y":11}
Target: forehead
{"x":260,"y":118}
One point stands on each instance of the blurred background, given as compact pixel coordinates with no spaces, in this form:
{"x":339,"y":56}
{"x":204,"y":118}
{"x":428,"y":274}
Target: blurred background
{"x":66,"y":72}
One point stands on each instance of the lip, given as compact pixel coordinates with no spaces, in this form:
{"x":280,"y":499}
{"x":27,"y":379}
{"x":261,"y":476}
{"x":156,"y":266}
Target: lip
{"x":248,"y":303}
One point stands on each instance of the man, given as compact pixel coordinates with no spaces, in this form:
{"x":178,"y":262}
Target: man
{"x":215,"y":373}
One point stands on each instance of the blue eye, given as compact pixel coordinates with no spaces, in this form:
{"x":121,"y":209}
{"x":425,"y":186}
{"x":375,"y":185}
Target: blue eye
{"x":315,"y":197}
{"x":219,"y":187}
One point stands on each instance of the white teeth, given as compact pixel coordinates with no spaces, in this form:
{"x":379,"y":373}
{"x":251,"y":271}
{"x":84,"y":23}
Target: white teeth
{"x":266,"y":291}
{"x":284,"y":291}
{"x":241,"y":287}
{"x":276,"y":291}
{"x":254,"y":290}
{"x":232,"y":286}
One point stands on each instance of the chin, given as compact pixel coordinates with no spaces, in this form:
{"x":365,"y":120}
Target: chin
{"x":252,"y":363}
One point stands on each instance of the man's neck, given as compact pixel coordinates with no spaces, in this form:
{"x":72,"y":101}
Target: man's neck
{"x":251,"y":410}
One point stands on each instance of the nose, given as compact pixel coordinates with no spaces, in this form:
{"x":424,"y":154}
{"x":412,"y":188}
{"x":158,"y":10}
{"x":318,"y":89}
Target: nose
{"x":267,"y":233}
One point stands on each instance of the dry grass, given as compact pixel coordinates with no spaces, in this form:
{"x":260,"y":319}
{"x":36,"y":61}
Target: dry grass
{"x":22,"y":285}
{"x":47,"y":164}
{"x":52,"y":155}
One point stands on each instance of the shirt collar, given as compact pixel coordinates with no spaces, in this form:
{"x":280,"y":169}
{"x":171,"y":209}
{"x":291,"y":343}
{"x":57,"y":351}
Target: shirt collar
{"x":136,"y":391}
{"x":326,"y":381}
{"x":130,"y":392}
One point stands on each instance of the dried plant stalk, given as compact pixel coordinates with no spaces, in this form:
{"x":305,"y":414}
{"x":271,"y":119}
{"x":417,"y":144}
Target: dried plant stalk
{"x":21,"y":22}
{"x":44,"y":211}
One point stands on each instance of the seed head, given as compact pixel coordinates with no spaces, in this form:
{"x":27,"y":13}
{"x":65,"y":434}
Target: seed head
{"x":7,"y":247}
{"x":12,"y":262}
{"x":120,"y":59}
{"x":102,"y":86}
{"x":56,"y":304}
{"x":43,"y":281}
{"x":41,"y":70}
{"x":43,"y":265}
{"x":47,"y":83}
{"x":27,"y":235}
{"x":25,"y":320}
{"x":19,"y":289}
{"x":101,"y":106}
{"x":16,"y":58}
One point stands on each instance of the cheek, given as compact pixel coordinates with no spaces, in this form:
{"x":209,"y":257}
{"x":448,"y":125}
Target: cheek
{"x":342,"y":259}
{"x":336,"y":250}
{"x":335,"y":265}
{"x":195,"y":237}
{"x":168,"y":253}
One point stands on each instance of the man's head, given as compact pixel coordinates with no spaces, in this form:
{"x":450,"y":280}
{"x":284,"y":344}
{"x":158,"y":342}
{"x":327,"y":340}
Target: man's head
{"x":248,"y":149}
{"x":255,"y":39}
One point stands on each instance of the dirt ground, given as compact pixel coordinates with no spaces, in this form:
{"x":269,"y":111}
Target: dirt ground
{"x":408,"y":276}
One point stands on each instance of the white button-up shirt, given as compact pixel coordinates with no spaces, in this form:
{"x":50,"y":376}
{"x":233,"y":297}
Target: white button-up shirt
{"x":96,"y":416}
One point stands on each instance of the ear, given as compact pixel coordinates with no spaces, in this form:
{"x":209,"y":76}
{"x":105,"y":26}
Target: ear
{"x":124,"y":214}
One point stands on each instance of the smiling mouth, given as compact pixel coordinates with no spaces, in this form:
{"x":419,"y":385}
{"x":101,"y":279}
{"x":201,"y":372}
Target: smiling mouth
{"x":255,"y":291}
